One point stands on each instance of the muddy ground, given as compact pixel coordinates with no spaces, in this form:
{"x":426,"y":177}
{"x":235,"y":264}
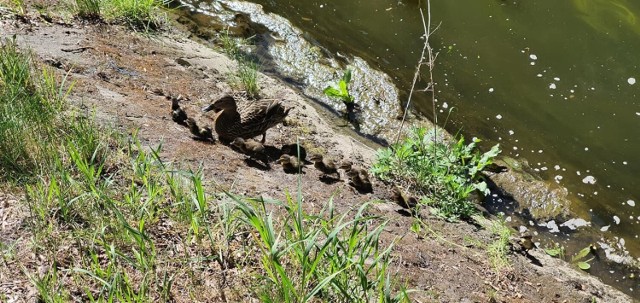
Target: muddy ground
{"x":126,"y":78}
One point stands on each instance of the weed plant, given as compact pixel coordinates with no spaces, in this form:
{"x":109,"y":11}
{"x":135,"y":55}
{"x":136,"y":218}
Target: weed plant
{"x":327,"y":256}
{"x":445,"y":173}
{"x":499,"y":248}
{"x":248,"y":75}
{"x":30,"y":107}
{"x":88,"y":9}
{"x":248,"y":66}
{"x":138,"y":14}
{"x":342,"y":91}
{"x":18,"y":7}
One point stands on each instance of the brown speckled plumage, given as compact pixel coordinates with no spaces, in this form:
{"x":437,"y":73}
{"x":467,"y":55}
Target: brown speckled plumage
{"x":248,"y":121}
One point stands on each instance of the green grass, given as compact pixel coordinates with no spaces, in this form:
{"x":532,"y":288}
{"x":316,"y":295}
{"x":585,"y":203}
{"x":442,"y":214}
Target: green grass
{"x":248,"y":76}
{"x":17,"y":6}
{"x":138,"y":14}
{"x":445,"y":173}
{"x":88,"y":9}
{"x":330,"y":256}
{"x":248,"y":66}
{"x":31,"y":107}
{"x":499,"y":247}
{"x":112,"y":222}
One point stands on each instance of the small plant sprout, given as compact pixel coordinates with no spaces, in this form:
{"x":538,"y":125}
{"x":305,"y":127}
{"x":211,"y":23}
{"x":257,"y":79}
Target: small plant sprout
{"x":556,"y":251}
{"x":342,"y":92}
{"x":580,"y":260}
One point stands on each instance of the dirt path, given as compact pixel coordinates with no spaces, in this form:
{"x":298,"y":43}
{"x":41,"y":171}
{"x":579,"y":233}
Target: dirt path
{"x":126,"y":78}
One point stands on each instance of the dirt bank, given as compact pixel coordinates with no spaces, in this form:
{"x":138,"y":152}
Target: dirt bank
{"x":126,"y":78}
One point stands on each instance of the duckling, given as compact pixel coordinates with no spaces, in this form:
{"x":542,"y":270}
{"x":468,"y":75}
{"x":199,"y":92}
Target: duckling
{"x":358,"y":177}
{"x":347,"y":166}
{"x":293,"y":150}
{"x":290,"y":164}
{"x":205,"y":133}
{"x":360,"y":180}
{"x":178,"y":115}
{"x":249,"y":121}
{"x":325,"y":165}
{"x":526,"y":242}
{"x":248,"y":147}
{"x":405,"y":201}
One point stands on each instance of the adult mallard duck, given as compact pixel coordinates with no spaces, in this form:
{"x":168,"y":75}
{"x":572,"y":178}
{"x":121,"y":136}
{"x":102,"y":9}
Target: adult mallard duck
{"x":246,"y":122}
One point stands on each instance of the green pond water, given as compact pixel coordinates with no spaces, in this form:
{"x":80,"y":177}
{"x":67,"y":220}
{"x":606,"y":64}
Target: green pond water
{"x":554,"y":82}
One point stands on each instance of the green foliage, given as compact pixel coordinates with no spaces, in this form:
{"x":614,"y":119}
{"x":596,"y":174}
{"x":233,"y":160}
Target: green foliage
{"x":30,"y":107}
{"x":579,"y":259}
{"x":499,"y":248}
{"x":342,"y":91}
{"x":329,"y":256}
{"x":248,"y":67}
{"x":446,"y":174}
{"x":248,"y":75}
{"x":138,"y":14}
{"x":18,"y":6}
{"x":88,"y":9}
{"x":556,"y":251}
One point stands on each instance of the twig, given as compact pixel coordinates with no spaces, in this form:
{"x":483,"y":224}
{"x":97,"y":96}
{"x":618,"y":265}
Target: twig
{"x":425,"y":49}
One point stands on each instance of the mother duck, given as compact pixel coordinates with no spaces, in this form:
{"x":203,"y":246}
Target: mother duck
{"x":247,"y":122}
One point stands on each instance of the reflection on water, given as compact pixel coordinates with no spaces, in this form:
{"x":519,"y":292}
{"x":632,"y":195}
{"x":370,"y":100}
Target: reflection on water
{"x":553,"y":81}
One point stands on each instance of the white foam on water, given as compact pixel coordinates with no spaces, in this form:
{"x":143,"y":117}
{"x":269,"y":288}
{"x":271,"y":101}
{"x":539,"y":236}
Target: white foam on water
{"x":589,"y":180}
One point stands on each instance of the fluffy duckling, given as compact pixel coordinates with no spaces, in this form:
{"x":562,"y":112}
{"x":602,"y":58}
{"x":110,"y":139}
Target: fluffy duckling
{"x":290,"y":163}
{"x":205,"y":133}
{"x":404,"y":200}
{"x":526,"y":242}
{"x":293,"y":150}
{"x":358,"y":177}
{"x":249,"y":147}
{"x":348,"y":166}
{"x":325,"y":165}
{"x":178,"y":115}
{"x":360,"y":180}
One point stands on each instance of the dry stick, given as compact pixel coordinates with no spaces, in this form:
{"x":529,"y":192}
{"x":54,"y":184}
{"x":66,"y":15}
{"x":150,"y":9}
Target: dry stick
{"x":426,"y":48}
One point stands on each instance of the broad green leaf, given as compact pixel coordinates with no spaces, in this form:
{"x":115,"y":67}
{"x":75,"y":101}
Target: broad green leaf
{"x":554,"y":252}
{"x":343,"y":88}
{"x":581,"y":254}
{"x":332,"y":92}
{"x":347,"y":76}
{"x":584,"y":265}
